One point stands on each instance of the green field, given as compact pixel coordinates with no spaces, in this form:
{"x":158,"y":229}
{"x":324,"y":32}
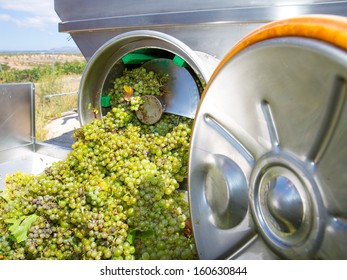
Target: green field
{"x":52,"y":74}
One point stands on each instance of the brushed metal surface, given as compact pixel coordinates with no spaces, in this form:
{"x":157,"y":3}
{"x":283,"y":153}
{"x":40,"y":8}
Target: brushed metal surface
{"x":25,"y":159}
{"x":207,"y":26}
{"x":17,"y":120}
{"x":88,"y":9}
{"x":182,"y":97}
{"x":18,"y":149}
{"x":277,"y":112}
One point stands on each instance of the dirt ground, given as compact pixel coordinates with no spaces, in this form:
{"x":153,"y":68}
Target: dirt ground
{"x":62,"y":125}
{"x":59,"y":131}
{"x":27,"y":61}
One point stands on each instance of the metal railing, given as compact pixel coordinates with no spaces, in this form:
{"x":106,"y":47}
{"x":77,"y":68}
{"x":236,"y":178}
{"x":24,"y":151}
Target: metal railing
{"x":60,"y":94}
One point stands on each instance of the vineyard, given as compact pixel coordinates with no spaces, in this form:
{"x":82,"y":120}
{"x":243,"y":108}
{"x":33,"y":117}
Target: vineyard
{"x":16,"y":68}
{"x":52,"y":74}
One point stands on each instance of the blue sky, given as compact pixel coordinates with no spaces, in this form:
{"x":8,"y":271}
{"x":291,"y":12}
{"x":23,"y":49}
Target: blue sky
{"x":30,"y":25}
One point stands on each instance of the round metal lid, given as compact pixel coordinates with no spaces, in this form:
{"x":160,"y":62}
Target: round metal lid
{"x":268,"y":154}
{"x":151,"y":110}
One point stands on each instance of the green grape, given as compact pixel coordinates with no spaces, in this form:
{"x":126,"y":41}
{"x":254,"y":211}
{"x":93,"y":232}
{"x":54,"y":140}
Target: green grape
{"x":116,"y":195}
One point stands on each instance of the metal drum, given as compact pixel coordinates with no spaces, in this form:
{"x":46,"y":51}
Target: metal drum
{"x":267,"y":176}
{"x":106,"y":64}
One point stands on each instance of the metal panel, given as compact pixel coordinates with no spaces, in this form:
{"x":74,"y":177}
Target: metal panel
{"x":91,"y":9}
{"x":18,"y":149}
{"x":17,"y":124}
{"x":25,"y":159}
{"x":221,"y":15}
{"x":211,"y":27}
{"x":211,"y":39}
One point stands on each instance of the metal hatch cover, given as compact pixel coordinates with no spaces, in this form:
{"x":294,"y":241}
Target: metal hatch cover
{"x":268,"y":154}
{"x":182,"y":97}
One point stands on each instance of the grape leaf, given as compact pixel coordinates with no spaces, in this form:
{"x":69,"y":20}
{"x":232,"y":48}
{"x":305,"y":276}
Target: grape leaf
{"x":137,"y":233}
{"x":131,"y":237}
{"x":128,"y":92}
{"x":19,"y":227}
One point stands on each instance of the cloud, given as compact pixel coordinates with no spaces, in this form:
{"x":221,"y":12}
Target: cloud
{"x":5,"y":17}
{"x":31,"y":13}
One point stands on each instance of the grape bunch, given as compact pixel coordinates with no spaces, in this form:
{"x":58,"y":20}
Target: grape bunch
{"x":117,"y":195}
{"x":135,"y":83}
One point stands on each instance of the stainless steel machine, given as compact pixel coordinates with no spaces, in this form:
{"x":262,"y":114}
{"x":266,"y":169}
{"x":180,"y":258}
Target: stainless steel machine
{"x":268,"y":152}
{"x":200,"y":32}
{"x":267,"y":175}
{"x":19,"y":151}
{"x":211,"y":27}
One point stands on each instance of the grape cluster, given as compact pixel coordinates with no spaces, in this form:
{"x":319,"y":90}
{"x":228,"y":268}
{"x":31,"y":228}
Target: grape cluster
{"x":117,"y":194}
{"x":135,"y":103}
{"x":140,"y":82}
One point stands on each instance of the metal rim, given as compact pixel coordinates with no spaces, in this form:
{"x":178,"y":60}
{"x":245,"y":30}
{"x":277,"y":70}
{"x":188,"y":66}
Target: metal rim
{"x":327,"y":28}
{"x":101,"y":63}
{"x":278,"y":115}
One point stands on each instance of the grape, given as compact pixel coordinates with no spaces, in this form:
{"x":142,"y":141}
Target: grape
{"x":117,"y":194}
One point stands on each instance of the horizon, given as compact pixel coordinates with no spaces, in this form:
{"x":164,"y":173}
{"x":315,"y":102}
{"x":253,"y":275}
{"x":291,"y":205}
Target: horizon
{"x":73,"y":50}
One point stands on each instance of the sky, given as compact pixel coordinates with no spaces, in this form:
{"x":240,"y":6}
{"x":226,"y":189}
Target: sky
{"x":31,"y":25}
